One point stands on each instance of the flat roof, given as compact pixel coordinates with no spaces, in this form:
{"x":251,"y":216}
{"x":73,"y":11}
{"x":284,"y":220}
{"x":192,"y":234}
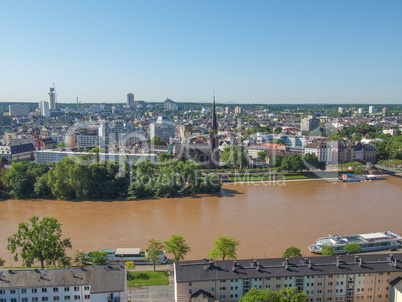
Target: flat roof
{"x":128,"y":251}
{"x":373,"y":236}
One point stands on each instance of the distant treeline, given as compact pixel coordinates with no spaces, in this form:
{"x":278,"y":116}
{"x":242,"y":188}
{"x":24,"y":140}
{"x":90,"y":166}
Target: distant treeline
{"x":85,"y":178}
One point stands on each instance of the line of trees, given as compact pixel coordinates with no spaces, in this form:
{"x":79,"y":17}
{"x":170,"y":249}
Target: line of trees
{"x":85,"y":178}
{"x":296,"y":162}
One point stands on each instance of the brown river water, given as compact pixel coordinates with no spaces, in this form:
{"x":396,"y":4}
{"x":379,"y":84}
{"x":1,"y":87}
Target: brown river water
{"x":266,"y":219}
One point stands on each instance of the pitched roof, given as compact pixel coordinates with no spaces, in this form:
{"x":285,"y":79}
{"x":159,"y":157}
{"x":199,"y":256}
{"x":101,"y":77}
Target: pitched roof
{"x":101,"y":278}
{"x":203,"y":270}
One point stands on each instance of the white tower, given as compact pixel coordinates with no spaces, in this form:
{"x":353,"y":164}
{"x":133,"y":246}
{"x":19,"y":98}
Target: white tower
{"x":52,"y":99}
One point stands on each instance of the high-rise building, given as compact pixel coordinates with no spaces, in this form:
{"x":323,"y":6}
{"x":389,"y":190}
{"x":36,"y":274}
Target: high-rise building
{"x":385,"y":111}
{"x":52,"y":99}
{"x":164,"y":128}
{"x":130,"y":100}
{"x":361,"y":110}
{"x":18,"y":110}
{"x":170,"y":105}
{"x":372,"y":109}
{"x":341,"y":110}
{"x":45,"y":109}
{"x":309,"y":123}
{"x":238,"y":110}
{"x":227,"y":110}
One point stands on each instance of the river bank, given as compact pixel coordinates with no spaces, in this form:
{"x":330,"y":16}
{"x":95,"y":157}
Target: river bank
{"x":266,"y":219}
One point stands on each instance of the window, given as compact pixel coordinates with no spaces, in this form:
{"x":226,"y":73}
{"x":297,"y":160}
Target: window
{"x":24,"y":299}
{"x":330,"y":291}
{"x":44,"y":298}
{"x":222,"y":296}
{"x":278,"y":278}
{"x":189,"y":284}
{"x":379,"y":296}
{"x":319,"y":284}
{"x":87,"y":297}
{"x":380,"y":289}
{"x":223,"y":281}
{"x":267,"y":286}
{"x":329,"y":283}
{"x":76,"y":288}
{"x":67,"y":298}
{"x":3,"y":300}
{"x":66,"y":289}
{"x":319,"y":291}
{"x":380,"y":281}
{"x":222,"y":288}
{"x":278,"y":286}
{"x":86,"y":287}
{"x":77,"y":297}
{"x":34,"y":299}
{"x":34,"y":290}
{"x":12,"y":291}
{"x":267,"y":279}
{"x":55,"y":289}
{"x":13,"y":299}
{"x":56,"y":298}
{"x":1,"y":292}
{"x":44,"y":290}
{"x":381,"y":274}
{"x":23,"y":291}
{"x":190,"y":291}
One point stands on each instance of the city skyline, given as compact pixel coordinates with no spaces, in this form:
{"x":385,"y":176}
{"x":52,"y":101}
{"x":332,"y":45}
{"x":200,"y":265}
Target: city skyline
{"x":261,"y":52}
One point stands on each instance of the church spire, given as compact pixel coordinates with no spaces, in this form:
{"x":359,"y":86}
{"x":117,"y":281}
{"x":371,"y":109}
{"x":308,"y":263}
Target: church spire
{"x":214,"y":124}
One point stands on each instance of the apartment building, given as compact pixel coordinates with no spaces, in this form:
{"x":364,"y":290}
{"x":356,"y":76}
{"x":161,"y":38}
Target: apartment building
{"x":370,"y":277}
{"x":164,"y":128}
{"x":98,"y":283}
{"x":18,"y":110}
{"x":54,"y":156}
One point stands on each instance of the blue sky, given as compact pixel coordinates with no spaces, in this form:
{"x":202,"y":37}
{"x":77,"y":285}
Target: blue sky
{"x":247,"y":51}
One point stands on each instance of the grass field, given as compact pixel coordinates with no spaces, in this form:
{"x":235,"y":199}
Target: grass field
{"x":154,"y":278}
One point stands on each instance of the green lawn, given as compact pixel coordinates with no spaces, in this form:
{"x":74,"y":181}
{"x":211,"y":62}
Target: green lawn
{"x":155,"y":278}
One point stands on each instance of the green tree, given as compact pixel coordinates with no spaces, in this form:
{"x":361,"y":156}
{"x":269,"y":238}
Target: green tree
{"x":2,"y":261}
{"x":257,"y":295}
{"x":225,"y":248}
{"x":328,"y":250}
{"x":291,"y":294}
{"x":80,"y":257}
{"x":262,"y":155}
{"x":157,"y":141}
{"x":154,"y":251}
{"x":352,"y":248}
{"x":235,"y":156}
{"x":291,"y":252}
{"x":278,"y":130}
{"x":99,"y":258}
{"x":285,"y":164}
{"x":177,"y":246}
{"x":39,"y":241}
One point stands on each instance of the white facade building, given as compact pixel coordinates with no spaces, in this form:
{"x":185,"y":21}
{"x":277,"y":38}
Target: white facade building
{"x":45,"y":109}
{"x":97,"y":283}
{"x":163,"y":128}
{"x":52,"y":99}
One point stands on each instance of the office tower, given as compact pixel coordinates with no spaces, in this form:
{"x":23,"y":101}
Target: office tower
{"x":130,"y":100}
{"x":309,"y":123}
{"x":52,"y":99}
{"x":164,"y":128}
{"x":372,"y":109}
{"x":45,"y":109}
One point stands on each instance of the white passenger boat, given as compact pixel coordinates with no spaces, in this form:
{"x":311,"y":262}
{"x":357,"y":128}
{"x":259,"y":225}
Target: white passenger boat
{"x":369,"y":242}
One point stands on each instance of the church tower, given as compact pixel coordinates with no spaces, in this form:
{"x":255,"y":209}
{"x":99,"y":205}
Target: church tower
{"x":213,"y":140}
